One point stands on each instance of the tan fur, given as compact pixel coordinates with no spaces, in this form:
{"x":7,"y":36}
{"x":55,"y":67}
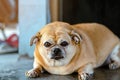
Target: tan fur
{"x":96,"y":44}
{"x":102,"y":40}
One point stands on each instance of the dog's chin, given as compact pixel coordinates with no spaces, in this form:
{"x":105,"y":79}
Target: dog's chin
{"x":57,"y":62}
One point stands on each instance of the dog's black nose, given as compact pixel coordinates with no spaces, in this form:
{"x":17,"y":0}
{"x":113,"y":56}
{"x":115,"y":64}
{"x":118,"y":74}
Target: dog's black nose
{"x":57,"y":51}
{"x":57,"y":54}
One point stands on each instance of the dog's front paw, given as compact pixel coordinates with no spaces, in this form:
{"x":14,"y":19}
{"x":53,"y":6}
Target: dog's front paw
{"x":33,"y":73}
{"x":84,"y":76}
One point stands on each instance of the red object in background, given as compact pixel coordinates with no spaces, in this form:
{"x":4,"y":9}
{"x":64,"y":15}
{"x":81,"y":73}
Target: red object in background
{"x":12,"y":40}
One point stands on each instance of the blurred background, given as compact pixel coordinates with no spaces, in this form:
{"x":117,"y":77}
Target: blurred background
{"x":8,"y":26}
{"x":21,"y":19}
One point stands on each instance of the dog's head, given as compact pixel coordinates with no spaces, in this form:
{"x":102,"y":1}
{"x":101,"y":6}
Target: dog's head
{"x":57,"y":43}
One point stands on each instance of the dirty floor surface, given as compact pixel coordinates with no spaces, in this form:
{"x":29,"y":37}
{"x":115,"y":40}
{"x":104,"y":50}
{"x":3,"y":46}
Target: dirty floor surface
{"x":13,"y":69}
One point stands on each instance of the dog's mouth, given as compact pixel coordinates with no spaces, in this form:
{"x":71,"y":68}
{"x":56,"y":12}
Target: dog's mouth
{"x":57,"y":57}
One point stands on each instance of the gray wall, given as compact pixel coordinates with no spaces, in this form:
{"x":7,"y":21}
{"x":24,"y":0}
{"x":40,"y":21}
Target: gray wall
{"x":32,"y":17}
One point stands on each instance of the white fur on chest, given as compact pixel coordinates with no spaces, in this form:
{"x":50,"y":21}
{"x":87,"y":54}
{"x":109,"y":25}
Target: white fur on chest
{"x":59,"y":70}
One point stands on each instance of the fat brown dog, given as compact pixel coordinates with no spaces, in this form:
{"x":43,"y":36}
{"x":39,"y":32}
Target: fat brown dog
{"x":62,"y":49}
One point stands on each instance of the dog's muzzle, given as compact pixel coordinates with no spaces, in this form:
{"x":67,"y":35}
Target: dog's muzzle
{"x":57,"y":54}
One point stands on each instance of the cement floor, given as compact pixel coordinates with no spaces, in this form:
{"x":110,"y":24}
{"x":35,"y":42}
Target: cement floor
{"x":13,"y":69}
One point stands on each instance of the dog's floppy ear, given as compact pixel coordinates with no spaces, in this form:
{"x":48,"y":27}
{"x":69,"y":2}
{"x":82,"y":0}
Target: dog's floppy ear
{"x":76,"y":37}
{"x":35,"y":39}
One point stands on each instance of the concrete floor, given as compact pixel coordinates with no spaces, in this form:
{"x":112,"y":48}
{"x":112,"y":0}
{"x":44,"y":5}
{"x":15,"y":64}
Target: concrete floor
{"x":13,"y":69}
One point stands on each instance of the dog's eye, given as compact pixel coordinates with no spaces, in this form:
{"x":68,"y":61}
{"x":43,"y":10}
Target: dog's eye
{"x":64,"y":43}
{"x":47,"y":44}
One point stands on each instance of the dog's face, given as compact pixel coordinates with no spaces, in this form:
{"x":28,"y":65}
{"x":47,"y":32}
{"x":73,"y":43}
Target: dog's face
{"x":57,"y":44}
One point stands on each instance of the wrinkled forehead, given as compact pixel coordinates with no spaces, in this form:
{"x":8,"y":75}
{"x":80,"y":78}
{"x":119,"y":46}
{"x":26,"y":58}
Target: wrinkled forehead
{"x":55,"y":36}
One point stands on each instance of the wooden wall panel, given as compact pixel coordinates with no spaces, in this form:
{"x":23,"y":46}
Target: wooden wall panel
{"x":54,"y":10}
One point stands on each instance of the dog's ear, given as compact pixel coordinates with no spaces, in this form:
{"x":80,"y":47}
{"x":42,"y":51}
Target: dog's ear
{"x":76,"y":37}
{"x":35,"y":39}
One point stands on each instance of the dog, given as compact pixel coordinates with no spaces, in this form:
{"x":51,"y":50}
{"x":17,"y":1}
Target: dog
{"x":61,"y":48}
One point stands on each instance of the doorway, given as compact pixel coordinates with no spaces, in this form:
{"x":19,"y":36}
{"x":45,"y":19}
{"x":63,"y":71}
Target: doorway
{"x":106,"y":12}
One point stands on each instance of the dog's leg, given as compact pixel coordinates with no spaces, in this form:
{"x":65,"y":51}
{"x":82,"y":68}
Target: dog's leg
{"x":85,"y":72}
{"x":35,"y":72}
{"x":115,"y":58}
